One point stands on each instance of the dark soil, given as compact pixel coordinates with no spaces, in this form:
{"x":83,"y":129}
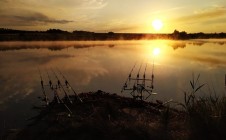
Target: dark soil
{"x":105,"y":116}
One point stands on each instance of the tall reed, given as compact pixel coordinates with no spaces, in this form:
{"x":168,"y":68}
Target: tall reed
{"x":206,"y":114}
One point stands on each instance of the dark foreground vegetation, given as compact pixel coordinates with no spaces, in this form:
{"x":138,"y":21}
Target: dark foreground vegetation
{"x":109,"y":116}
{"x":104,"y":116}
{"x":57,"y":34}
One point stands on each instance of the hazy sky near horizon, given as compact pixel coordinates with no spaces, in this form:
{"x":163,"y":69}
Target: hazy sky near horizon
{"x":133,"y":16}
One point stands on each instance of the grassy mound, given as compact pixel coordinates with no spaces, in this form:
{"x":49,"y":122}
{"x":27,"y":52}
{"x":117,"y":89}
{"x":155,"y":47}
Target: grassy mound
{"x":106,"y":116}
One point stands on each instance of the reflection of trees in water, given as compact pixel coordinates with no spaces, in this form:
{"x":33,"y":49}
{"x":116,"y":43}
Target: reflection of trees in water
{"x":178,"y":45}
{"x":83,"y":46}
{"x":221,"y":43}
{"x":111,"y":45}
{"x":197,"y":43}
{"x":53,"y":48}
{"x":200,"y":43}
{"x":18,"y":48}
{"x":204,"y":42}
{"x":56,"y":48}
{"x":93,"y":45}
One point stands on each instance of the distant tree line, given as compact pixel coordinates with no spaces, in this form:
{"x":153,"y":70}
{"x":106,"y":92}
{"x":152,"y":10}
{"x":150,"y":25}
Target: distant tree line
{"x":57,"y":34}
{"x":184,"y":35}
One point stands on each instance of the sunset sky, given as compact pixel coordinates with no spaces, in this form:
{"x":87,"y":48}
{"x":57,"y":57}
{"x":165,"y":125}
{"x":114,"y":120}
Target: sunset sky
{"x":134,"y":16}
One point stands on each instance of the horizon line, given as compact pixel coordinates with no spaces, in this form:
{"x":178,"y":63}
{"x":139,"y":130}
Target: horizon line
{"x":108,"y":31}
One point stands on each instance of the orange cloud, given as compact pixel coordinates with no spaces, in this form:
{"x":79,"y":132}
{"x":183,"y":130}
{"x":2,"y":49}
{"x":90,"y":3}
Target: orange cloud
{"x":208,"y":14}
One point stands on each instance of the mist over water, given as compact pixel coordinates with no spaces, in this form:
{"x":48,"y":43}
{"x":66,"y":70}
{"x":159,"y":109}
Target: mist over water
{"x":105,"y":65}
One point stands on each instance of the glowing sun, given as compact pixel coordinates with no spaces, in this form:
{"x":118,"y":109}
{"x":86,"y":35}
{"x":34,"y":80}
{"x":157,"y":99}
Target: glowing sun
{"x":157,"y":24}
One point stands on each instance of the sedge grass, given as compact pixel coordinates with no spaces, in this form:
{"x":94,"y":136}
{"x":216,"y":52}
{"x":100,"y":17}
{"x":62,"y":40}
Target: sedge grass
{"x":206,"y":115}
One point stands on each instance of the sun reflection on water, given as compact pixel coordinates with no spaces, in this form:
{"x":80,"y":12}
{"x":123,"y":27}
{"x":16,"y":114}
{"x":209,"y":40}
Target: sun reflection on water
{"x":156,"y":51}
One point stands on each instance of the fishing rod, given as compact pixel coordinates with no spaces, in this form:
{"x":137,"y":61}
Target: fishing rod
{"x":138,"y":74}
{"x":141,"y":87}
{"x":144,"y":75}
{"x":137,"y":79}
{"x":128,"y":78}
{"x":152,"y":76}
{"x":136,"y":85}
{"x":225,"y":82}
{"x":61,"y":86}
{"x":140,"y":84}
{"x":56,"y":95}
{"x":43,"y":89}
{"x":68,"y":85}
{"x":50,"y":82}
{"x":152,"y":82}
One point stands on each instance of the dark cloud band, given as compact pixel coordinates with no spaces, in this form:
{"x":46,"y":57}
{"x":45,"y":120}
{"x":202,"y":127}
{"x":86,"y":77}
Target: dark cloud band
{"x":29,"y":18}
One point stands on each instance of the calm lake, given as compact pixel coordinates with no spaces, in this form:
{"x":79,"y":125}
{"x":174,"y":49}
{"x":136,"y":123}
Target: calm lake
{"x":105,"y":65}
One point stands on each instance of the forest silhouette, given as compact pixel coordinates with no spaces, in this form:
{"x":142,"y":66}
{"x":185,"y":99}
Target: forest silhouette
{"x":57,"y":34}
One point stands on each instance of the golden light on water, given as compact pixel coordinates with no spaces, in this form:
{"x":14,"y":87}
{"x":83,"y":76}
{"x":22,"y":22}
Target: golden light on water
{"x":156,"y":51}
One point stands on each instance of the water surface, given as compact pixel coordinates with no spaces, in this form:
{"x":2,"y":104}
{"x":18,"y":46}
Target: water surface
{"x":90,"y":66}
